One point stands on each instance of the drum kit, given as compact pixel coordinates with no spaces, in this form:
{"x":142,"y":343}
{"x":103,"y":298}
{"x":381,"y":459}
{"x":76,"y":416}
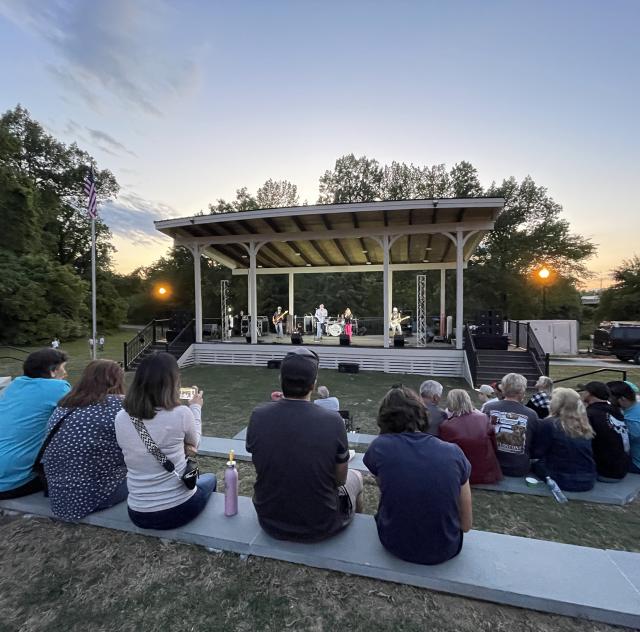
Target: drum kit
{"x":335,"y":326}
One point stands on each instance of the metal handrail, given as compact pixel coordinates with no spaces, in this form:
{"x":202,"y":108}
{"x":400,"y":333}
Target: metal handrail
{"x":471,"y":353}
{"x":178,"y":340}
{"x":525,"y":338}
{"x":136,"y":347}
{"x":573,"y":377}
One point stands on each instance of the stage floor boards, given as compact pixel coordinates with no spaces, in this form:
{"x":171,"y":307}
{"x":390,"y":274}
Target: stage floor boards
{"x":334,"y":341}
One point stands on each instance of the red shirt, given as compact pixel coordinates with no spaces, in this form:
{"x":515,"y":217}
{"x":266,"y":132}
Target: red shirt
{"x":474,"y":435}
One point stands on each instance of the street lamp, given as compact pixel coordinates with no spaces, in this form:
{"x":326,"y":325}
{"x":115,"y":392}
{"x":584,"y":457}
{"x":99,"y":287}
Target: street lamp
{"x":544,"y":275}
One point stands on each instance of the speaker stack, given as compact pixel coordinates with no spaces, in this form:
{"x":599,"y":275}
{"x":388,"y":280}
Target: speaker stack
{"x":348,"y":367}
{"x":398,"y":340}
{"x":345,"y":341}
{"x":296,"y":338}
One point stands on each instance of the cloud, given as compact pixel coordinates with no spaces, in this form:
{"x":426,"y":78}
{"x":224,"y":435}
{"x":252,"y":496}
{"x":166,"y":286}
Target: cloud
{"x":120,"y":47}
{"x":131,"y":217}
{"x":102,"y":138}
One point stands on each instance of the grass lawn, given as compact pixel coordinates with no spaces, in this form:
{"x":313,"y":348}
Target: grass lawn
{"x":559,"y":372}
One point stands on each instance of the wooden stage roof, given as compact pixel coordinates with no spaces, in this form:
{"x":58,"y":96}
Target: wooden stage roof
{"x":340,"y":237}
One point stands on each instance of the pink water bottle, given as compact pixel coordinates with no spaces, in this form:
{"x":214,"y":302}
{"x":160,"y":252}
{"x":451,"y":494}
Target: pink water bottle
{"x":231,"y":487}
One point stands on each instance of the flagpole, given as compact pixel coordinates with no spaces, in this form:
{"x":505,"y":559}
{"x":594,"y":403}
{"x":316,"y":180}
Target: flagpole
{"x":93,"y":289}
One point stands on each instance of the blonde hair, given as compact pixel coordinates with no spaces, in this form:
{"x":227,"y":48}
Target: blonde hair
{"x":459,"y":402}
{"x":568,"y":408}
{"x":545,"y":384}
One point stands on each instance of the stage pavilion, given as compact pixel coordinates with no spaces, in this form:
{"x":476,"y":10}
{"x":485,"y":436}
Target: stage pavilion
{"x":386,"y":236}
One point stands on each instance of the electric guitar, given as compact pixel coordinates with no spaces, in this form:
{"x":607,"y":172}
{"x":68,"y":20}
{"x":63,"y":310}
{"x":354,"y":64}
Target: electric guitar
{"x":393,"y":322}
{"x":276,"y":319}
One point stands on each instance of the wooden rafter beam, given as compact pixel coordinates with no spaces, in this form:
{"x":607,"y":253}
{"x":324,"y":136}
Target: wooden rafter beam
{"x":274,"y":227}
{"x":328,"y":226}
{"x":449,"y":242}
{"x":313,"y":243}
{"x":363,"y":246}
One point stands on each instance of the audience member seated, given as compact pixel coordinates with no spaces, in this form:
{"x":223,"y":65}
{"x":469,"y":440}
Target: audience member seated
{"x":540,"y":400}
{"x":431,"y":393}
{"x":610,"y":445}
{"x":470,"y":429}
{"x":159,"y":499}
{"x":425,"y":498}
{"x":304,"y":490}
{"x":622,"y":396}
{"x":25,"y":407}
{"x":514,"y":424}
{"x":563,"y":444}
{"x":326,"y":402}
{"x":486,"y":393}
{"x":83,"y":463}
{"x":497,"y":396}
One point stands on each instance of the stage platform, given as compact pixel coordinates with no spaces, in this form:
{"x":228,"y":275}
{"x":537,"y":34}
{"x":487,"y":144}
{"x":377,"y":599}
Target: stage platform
{"x":327,"y":341}
{"x":436,"y":360}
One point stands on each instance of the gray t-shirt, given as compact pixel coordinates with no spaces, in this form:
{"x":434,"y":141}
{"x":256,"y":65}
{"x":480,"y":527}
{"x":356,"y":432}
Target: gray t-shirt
{"x":515,"y":426}
{"x":295,"y":447}
{"x":436,"y":417}
{"x":151,"y":487}
{"x":328,"y":403}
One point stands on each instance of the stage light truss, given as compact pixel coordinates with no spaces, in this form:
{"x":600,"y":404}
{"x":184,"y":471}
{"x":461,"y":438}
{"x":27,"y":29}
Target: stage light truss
{"x":225,"y":316}
{"x":421,"y":310}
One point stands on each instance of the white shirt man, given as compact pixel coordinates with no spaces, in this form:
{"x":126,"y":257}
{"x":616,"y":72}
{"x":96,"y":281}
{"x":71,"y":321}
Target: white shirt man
{"x":394,"y":324}
{"x":55,"y":343}
{"x":321,"y":315}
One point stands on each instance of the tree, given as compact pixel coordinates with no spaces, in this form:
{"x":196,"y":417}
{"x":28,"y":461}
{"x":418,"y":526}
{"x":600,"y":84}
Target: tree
{"x":277,"y":194}
{"x":352,"y":180}
{"x":622,"y":300}
{"x":528,"y":233}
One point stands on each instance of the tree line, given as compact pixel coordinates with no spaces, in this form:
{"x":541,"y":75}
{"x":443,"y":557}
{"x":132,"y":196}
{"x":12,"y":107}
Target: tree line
{"x":45,"y":253}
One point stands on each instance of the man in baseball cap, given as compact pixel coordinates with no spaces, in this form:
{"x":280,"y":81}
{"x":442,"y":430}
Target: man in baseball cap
{"x":611,"y":443}
{"x":304,"y":490}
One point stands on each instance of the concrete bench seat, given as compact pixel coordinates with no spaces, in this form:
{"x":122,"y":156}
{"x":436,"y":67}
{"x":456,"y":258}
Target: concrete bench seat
{"x":576,"y":581}
{"x":621,"y":493}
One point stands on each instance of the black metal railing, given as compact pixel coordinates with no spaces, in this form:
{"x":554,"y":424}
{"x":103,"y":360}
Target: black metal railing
{"x":186,"y":336}
{"x":573,"y":377}
{"x":152,"y":333}
{"x":523,"y":337}
{"x":7,"y":357}
{"x":471,"y":353}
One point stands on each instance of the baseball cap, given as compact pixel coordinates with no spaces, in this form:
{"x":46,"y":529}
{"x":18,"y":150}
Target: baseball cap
{"x":597,"y":389}
{"x":633,"y":386}
{"x":300,"y":365}
{"x":485,"y":389}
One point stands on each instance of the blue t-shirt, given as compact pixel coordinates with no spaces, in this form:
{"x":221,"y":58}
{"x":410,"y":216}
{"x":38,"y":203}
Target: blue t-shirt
{"x":25,"y":407}
{"x":632,"y":419}
{"x":420,"y":478}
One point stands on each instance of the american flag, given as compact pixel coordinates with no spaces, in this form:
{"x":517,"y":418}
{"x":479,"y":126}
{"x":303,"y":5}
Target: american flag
{"x":90,"y":190}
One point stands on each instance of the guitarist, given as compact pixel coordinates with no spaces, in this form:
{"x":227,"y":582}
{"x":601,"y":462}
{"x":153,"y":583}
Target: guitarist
{"x":277,"y":319}
{"x":395,"y":322}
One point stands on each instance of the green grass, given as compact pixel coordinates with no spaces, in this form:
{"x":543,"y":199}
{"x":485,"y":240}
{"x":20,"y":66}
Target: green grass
{"x":77,"y":350}
{"x":559,"y":372}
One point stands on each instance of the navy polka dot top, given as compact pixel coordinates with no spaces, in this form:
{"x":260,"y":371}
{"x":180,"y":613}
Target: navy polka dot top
{"x":83,"y":463}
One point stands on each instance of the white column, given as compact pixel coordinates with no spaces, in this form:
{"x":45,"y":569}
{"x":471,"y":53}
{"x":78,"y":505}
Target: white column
{"x":459,"y":288}
{"x":253,"y":292}
{"x":197,"y":277}
{"x":292,"y":311}
{"x":385,"y":289}
{"x":390,"y":291}
{"x":443,"y":305}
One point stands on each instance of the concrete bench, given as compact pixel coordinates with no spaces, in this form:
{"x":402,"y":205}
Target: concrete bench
{"x":576,"y":581}
{"x":620,"y":493}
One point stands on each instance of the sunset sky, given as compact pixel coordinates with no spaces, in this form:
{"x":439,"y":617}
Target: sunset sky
{"x":187,"y":101}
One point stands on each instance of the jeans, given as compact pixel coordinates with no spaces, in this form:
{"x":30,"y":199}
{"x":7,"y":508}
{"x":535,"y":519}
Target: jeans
{"x":319,"y":330}
{"x":119,"y":494}
{"x":33,"y":486}
{"x":180,"y":515}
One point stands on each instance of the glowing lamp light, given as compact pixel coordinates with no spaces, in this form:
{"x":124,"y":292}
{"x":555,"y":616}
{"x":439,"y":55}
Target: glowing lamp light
{"x":162,"y":291}
{"x":544,"y":273}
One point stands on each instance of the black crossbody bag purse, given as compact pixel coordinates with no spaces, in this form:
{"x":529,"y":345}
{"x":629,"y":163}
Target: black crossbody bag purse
{"x":191,"y":472}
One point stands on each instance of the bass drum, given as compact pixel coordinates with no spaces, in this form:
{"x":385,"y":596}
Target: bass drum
{"x":334,"y":329}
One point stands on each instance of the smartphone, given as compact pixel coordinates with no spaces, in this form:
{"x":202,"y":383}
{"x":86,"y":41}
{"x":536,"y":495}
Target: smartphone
{"x":187,"y":393}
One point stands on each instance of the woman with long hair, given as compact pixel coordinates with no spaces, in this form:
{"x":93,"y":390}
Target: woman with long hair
{"x":563,"y":444}
{"x":154,"y":421}
{"x":83,"y":464}
{"x":472,"y":432}
{"x":425,"y":498}
{"x":348,"y":318}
